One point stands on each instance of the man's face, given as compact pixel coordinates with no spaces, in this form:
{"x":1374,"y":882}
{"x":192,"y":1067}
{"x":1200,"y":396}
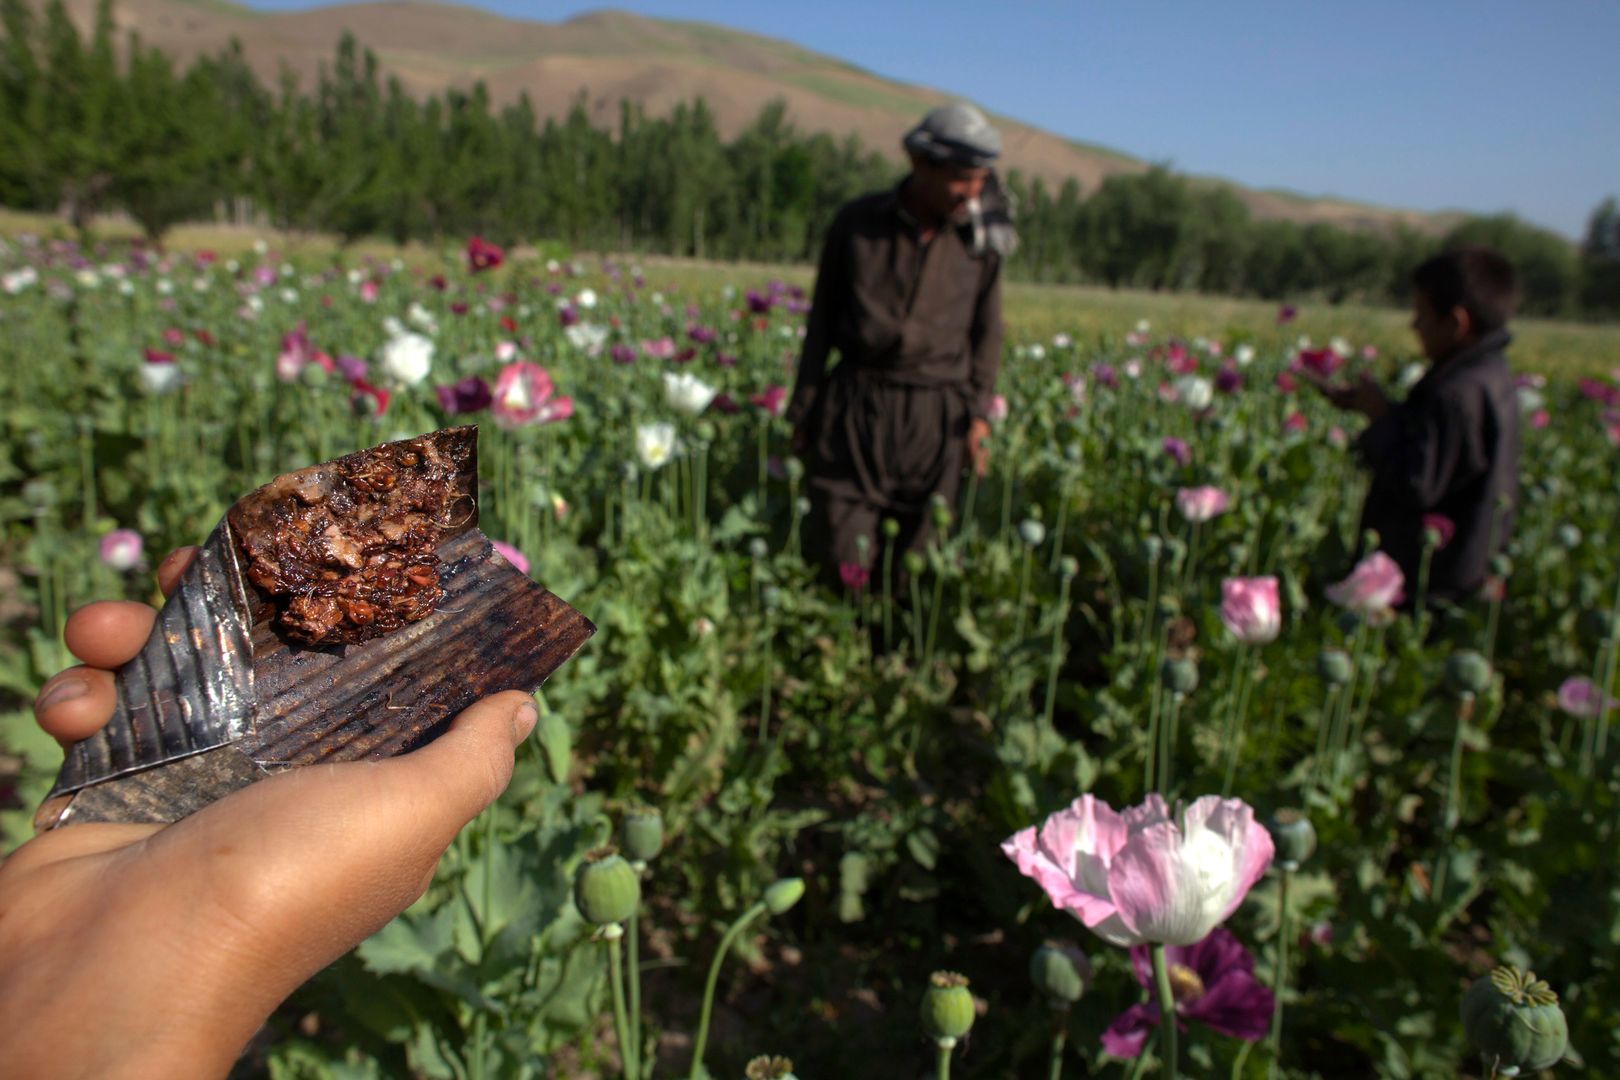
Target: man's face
{"x":944,"y":190}
{"x":1439,"y":332}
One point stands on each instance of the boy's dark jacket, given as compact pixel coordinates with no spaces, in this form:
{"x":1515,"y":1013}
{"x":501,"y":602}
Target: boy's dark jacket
{"x":1451,"y":448}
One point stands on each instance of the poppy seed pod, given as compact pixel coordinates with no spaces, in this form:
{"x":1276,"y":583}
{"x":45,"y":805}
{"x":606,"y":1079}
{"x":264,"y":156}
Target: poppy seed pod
{"x":1294,"y":837}
{"x":891,"y":528}
{"x":770,"y":597}
{"x":941,"y":512}
{"x":758,"y":548}
{"x":1060,"y":972}
{"x":1501,"y":566}
{"x":914,"y":563}
{"x":782,"y":895}
{"x":1068,"y":566}
{"x":704,"y":431}
{"x":801,"y":506}
{"x":1570,"y":536}
{"x":1180,"y":676}
{"x":1151,"y":548}
{"x":1032,"y":532}
{"x":312,"y":375}
{"x":641,"y":834}
{"x":1514,"y":1021}
{"x":947,"y":1006}
{"x":795,"y":469}
{"x":607,"y":890}
{"x":1335,"y":667}
{"x":1468,"y":673}
{"x":769,"y":1067}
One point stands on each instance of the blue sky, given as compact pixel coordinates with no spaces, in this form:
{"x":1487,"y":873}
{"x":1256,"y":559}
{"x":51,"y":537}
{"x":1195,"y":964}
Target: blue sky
{"x":1479,"y":105}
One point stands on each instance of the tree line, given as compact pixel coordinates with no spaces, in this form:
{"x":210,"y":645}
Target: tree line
{"x":88,"y":127}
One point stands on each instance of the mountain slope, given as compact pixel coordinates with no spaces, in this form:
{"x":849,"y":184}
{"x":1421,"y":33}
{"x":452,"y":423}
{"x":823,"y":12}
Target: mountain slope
{"x":611,"y":56}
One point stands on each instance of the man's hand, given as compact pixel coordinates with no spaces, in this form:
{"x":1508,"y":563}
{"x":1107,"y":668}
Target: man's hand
{"x":978,"y":447}
{"x":151,"y":950}
{"x":1364,"y":396}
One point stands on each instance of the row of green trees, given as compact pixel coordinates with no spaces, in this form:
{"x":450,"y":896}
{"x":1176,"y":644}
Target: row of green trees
{"x":87,"y":127}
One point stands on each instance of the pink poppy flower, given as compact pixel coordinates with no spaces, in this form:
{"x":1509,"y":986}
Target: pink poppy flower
{"x":1578,"y":696}
{"x":1179,"y":360}
{"x":121,"y":549}
{"x":1146,"y":875}
{"x":998,"y":409}
{"x":1286,"y":382}
{"x":1251,"y":609}
{"x":1212,"y":982}
{"x":368,"y":291}
{"x":1375,"y":585}
{"x":854,"y":576}
{"x":1200,"y":504}
{"x":1540,"y":419}
{"x":659,"y":349}
{"x":773,"y":399}
{"x":511,"y":555}
{"x":1442,"y":527}
{"x":1600,"y":391}
{"x":482,"y":255}
{"x":1294,"y":422}
{"x":295,"y":353}
{"x":523,"y":395}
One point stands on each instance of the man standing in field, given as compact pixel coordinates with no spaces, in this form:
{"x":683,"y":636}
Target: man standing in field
{"x":909,"y":293}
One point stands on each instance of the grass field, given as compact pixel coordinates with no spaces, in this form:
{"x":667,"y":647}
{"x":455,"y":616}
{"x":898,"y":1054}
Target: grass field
{"x":1034,"y":313}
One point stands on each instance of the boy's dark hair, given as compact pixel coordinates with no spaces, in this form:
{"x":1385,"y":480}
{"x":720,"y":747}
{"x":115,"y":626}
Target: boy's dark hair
{"x":1477,"y":279}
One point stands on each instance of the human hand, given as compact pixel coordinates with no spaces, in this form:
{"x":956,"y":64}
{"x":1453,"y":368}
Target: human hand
{"x":978,"y":445}
{"x":158,"y":950}
{"x":1364,"y":396}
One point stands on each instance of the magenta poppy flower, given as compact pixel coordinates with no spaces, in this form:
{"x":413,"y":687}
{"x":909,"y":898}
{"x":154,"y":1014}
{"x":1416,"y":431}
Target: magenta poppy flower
{"x":700,"y":334}
{"x":121,"y":549}
{"x":659,"y":348}
{"x":1322,"y":362}
{"x":1144,"y":875}
{"x":1251,"y":609}
{"x":1286,"y":382}
{"x":1177,"y":450}
{"x":1540,"y":419}
{"x":1295,"y":422}
{"x":1180,"y":361}
{"x":1229,"y":380}
{"x":482,"y":255}
{"x":1213,"y":983}
{"x":523,"y":395}
{"x":567,"y":315}
{"x":773,"y":399}
{"x":368,"y":400}
{"x":725,"y":403}
{"x":1105,"y":375}
{"x":854,"y":576}
{"x":1199,"y":504}
{"x":1374,"y":586}
{"x":294,"y":353}
{"x":1600,"y":391}
{"x":1442,"y":527}
{"x":353,"y":368}
{"x":511,"y":555}
{"x":759,"y":304}
{"x":622,"y":354}
{"x":471,"y":394}
{"x":1286,"y":313}
{"x":1580,"y":697}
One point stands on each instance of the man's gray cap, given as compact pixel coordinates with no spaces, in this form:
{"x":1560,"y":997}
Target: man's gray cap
{"x":957,"y":133}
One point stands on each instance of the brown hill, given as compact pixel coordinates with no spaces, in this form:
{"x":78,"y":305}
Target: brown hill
{"x":612,"y":56}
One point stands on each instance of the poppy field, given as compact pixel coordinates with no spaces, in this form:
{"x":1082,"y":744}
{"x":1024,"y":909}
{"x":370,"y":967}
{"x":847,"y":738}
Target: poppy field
{"x":1141,"y":732}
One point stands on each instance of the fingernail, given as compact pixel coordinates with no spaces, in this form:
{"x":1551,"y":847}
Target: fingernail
{"x":523,"y":721}
{"x":66,"y":690}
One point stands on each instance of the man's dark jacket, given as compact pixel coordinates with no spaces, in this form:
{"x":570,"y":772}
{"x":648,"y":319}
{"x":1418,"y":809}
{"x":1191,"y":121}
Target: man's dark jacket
{"x":1451,"y":448}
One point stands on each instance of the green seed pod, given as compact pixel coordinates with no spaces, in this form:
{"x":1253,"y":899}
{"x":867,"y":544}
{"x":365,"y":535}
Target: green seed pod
{"x":1068,"y":566}
{"x":795,"y":469}
{"x":1501,"y":566}
{"x":1072,"y":453}
{"x":1175,"y":549}
{"x":1294,"y":837}
{"x":607,"y":889}
{"x":641,"y":834}
{"x":1180,"y":675}
{"x":1569,"y":536}
{"x":770,"y":596}
{"x":914,"y":563}
{"x":1467,"y":672}
{"x":1061,"y":972}
{"x":947,"y":1006}
{"x":312,"y":375}
{"x":1032,"y":531}
{"x":1370,"y":540}
{"x":801,"y":506}
{"x":863,"y":544}
{"x":891,"y":528}
{"x":704,"y":431}
{"x":782,"y":895}
{"x":758,"y":548}
{"x":1513,"y":1020}
{"x":1335,"y":667}
{"x":1151,"y":549}
{"x":941,"y":513}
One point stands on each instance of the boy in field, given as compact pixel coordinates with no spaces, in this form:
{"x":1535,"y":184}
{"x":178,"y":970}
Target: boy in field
{"x":1452,"y":447}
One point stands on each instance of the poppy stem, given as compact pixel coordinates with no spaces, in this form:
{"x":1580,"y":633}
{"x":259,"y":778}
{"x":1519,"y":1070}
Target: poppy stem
{"x":1060,"y":1035}
{"x":726,"y":940}
{"x":1168,"y":1035}
{"x":621,"y":1024}
{"x":1280,"y":982}
{"x":943,"y":1067}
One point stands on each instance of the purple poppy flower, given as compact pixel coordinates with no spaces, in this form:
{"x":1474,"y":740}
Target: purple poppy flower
{"x":1177,"y":450}
{"x":759,"y":304}
{"x":1228,"y":380}
{"x":567,"y":315}
{"x":700,"y":334}
{"x":1286,"y":313}
{"x":1105,"y":375}
{"x":622,"y":353}
{"x":469,"y":395}
{"x":1213,"y":983}
{"x":353,"y":367}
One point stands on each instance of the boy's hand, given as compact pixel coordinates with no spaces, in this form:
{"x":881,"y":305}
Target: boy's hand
{"x":978,"y":445}
{"x":158,"y":950}
{"x":1364,"y":396}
